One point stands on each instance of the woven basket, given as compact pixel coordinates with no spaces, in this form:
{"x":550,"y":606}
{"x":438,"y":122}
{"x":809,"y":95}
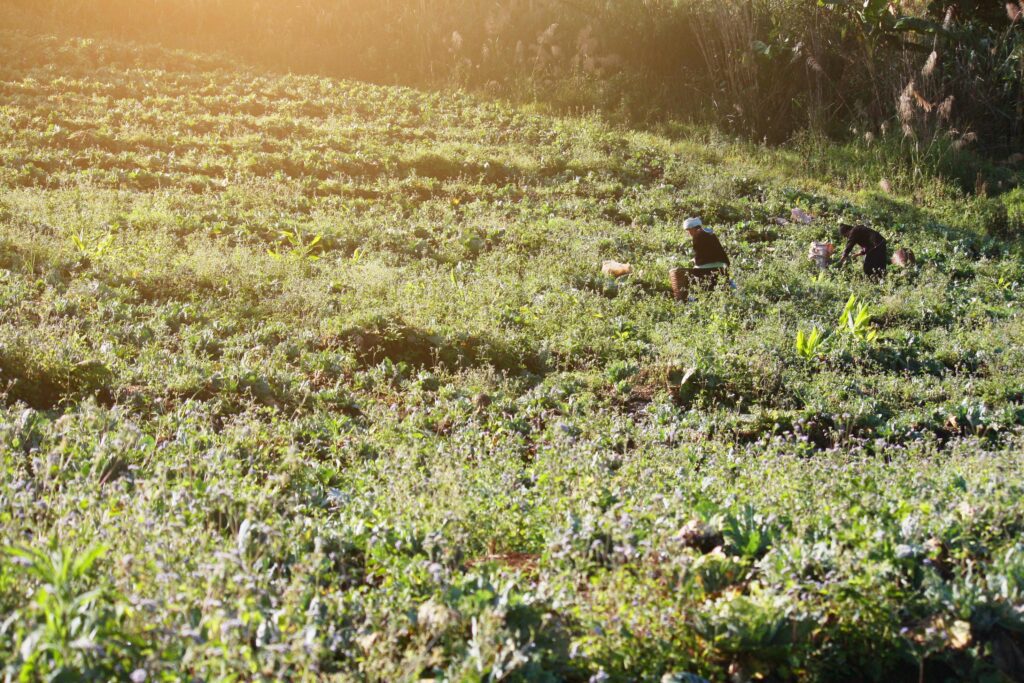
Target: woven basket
{"x":676,"y":279}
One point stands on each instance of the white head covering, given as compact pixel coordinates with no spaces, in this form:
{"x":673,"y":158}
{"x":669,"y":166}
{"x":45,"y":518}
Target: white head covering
{"x":691,"y":223}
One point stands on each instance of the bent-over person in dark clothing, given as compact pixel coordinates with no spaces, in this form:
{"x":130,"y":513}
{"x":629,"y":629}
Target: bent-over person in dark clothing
{"x":873,"y":248}
{"x":709,"y":258}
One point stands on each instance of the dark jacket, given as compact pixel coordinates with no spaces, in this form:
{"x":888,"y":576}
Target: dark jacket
{"x":877,"y":257}
{"x":865,"y":238}
{"x":707,"y":249}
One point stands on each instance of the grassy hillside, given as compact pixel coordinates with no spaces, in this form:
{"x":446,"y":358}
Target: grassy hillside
{"x":943,"y":75}
{"x":306,"y":378}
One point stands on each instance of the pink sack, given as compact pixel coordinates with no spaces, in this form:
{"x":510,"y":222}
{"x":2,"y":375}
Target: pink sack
{"x":821,"y":253}
{"x":800,"y":216}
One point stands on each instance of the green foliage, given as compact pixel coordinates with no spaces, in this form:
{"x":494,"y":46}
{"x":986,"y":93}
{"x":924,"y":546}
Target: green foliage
{"x":855,"y":320}
{"x":766,"y":69}
{"x":297,"y":246}
{"x":1014,"y":203}
{"x":809,"y":346}
{"x":428,"y":439}
{"x":92,"y":246}
{"x":748,"y":533}
{"x":68,"y":631}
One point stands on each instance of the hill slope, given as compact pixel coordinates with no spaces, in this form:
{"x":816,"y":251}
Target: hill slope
{"x":332,"y":373}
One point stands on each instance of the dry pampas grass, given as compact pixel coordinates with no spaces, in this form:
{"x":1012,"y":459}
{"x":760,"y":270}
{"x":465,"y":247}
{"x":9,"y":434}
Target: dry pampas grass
{"x":929,"y":66}
{"x":946,"y":108}
{"x":905,"y":106}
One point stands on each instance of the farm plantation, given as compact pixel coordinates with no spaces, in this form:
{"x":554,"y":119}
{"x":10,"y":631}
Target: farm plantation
{"x":313,"y":379}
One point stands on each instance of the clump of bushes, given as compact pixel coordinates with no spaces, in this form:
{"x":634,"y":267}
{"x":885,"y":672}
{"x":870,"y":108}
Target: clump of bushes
{"x":45,"y":381}
{"x":392,"y":339}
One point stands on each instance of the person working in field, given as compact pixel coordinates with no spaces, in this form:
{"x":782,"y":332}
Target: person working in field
{"x":709,"y":259}
{"x":873,"y":248}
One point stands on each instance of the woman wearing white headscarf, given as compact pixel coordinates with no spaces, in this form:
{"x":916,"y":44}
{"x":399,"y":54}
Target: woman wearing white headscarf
{"x":710,"y":261}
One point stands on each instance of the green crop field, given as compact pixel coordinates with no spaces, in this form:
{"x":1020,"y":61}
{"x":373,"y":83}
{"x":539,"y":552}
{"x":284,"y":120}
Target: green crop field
{"x":312,"y":379}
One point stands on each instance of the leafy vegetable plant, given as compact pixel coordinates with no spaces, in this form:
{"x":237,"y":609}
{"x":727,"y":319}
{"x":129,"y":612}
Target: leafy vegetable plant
{"x":856,"y":320}
{"x":808,"y":346}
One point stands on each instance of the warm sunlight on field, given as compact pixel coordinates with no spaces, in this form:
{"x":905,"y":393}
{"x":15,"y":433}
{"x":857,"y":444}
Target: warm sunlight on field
{"x":338,"y":341}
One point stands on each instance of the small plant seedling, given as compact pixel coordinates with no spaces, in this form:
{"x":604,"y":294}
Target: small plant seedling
{"x":92,"y":245}
{"x":299,"y":248}
{"x":856,"y":320}
{"x":808,"y":346}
